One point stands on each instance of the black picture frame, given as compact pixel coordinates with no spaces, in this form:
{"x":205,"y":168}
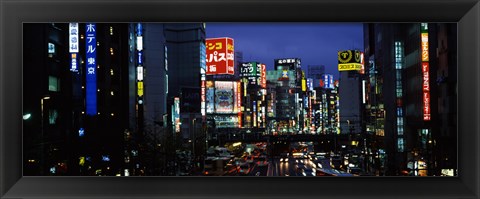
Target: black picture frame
{"x":15,"y":12}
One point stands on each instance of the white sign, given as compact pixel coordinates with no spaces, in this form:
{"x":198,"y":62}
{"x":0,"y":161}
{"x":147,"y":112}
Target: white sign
{"x":139,"y":43}
{"x":73,"y":38}
{"x":140,"y":73}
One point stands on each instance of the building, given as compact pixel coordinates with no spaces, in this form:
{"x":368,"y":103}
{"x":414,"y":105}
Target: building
{"x":350,"y":96}
{"x":282,"y":82}
{"x":78,"y":74}
{"x":299,"y":88}
{"x":315,"y":72}
{"x":406,"y":74}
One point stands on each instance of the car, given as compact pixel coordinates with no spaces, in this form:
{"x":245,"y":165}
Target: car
{"x":308,"y":172}
{"x":300,"y":166}
{"x":249,"y":159}
{"x":244,"y":169}
{"x":262,"y":161}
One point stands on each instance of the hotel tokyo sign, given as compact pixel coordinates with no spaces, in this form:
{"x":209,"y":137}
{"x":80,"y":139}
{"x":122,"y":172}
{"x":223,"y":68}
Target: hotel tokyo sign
{"x":220,"y":56}
{"x":349,"y":60}
{"x":91,"y":74}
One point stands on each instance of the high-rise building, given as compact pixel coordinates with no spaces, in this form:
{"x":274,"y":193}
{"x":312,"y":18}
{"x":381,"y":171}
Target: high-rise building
{"x":350,"y":96}
{"x":315,"y":72}
{"x":78,"y":98}
{"x":406,"y":65}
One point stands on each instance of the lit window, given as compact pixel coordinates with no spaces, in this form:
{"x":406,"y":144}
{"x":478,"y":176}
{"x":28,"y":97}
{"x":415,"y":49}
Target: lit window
{"x":400,"y":145}
{"x":51,"y":48}
{"x":52,"y":116}
{"x":53,"y":84}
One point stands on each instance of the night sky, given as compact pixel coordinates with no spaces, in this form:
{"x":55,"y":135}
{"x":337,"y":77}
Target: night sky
{"x":313,"y":43}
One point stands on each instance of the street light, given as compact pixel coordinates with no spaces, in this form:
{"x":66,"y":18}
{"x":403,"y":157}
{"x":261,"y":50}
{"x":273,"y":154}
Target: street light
{"x":27,"y":116}
{"x":43,"y":132}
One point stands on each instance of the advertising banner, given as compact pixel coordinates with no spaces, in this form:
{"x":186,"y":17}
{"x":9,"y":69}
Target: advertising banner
{"x":249,"y":69}
{"x":349,"y":60}
{"x":226,"y":121}
{"x":73,"y":38}
{"x":425,"y":71}
{"x":287,"y":63}
{"x":209,"y":97}
{"x":140,"y":88}
{"x":91,"y":68}
{"x":424,"y":46}
{"x":263,"y":76}
{"x":176,"y":114}
{"x":327,"y":81}
{"x":224,"y":97}
{"x":73,"y":64}
{"x":220,"y":56}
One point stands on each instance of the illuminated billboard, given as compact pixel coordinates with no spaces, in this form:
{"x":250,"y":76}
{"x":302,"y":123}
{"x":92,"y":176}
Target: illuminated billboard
{"x":176,"y":114}
{"x":327,"y":81}
{"x":287,"y":63}
{"x":73,"y":38}
{"x":220,"y":56}
{"x":209,"y":97}
{"x":140,"y":88}
{"x":226,"y":121}
{"x":425,"y":72}
{"x":263,"y":76}
{"x":91,"y":74}
{"x":224,"y":97}
{"x":73,"y":64}
{"x":310,"y":84}
{"x":349,"y":60}
{"x":249,"y":69}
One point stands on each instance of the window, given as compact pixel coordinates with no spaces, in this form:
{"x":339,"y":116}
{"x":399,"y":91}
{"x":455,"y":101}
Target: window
{"x":53,"y":84}
{"x":400,"y":145}
{"x":51,"y":48}
{"x":52,"y":116}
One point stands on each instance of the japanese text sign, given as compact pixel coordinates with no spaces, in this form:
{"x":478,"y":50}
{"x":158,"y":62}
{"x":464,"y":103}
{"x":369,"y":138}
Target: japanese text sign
{"x":220,"y":56}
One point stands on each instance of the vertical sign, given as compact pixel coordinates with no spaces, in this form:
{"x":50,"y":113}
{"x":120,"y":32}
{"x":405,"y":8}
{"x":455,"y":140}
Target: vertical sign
{"x":264,"y":76}
{"x":203,"y":98}
{"x":220,"y":56}
{"x":73,"y":37}
{"x":362,"y":62}
{"x":73,"y":64}
{"x":235,"y":91}
{"x":310,"y":84}
{"x":425,"y":71}
{"x":426,"y":91}
{"x":140,"y":69}
{"x":239,"y":103}
{"x":255,"y":113}
{"x":203,"y":65}
{"x":91,"y":74}
{"x":176,"y":114}
{"x":73,"y":45}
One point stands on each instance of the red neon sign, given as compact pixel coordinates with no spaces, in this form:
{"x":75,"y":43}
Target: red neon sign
{"x":220,"y":56}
